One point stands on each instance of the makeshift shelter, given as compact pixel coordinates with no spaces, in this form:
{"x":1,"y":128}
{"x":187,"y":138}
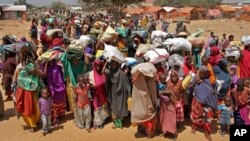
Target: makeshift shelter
{"x":170,"y":12}
{"x":14,"y":11}
{"x":198,"y":13}
{"x":186,"y":12}
{"x":213,"y":14}
{"x":227,"y":11}
{"x":244,"y":13}
{"x":156,"y":12}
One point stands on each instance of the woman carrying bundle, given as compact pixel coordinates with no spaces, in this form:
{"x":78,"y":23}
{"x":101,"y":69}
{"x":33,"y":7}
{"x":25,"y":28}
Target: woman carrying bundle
{"x":29,"y":82}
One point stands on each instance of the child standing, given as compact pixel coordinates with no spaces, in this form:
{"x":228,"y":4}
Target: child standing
{"x":226,"y":114}
{"x":174,"y":84}
{"x":167,"y":113}
{"x":45,"y":105}
{"x":83,"y":109}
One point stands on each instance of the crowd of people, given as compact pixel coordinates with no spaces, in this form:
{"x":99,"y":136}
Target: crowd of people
{"x":64,"y":67}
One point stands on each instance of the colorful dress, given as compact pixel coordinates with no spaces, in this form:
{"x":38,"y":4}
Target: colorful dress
{"x":57,"y":90}
{"x":203,"y":104}
{"x":71,"y":71}
{"x":26,"y":95}
{"x":99,"y":95}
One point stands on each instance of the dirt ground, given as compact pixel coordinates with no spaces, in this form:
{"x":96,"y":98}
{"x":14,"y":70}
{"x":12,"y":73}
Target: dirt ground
{"x":12,"y":129}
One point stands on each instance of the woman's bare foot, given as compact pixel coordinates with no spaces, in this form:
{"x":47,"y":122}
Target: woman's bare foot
{"x":209,"y":138}
{"x":193,"y":131}
{"x":32,"y":130}
{"x":89,"y":130}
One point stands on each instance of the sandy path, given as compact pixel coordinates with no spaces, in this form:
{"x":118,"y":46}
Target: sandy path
{"x":12,"y":129}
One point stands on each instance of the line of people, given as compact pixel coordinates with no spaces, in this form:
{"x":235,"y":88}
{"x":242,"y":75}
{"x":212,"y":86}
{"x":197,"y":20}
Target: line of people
{"x":46,"y":81}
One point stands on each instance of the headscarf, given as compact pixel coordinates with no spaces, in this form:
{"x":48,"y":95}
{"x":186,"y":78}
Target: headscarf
{"x":234,"y":76}
{"x":187,"y":68}
{"x":57,"y":42}
{"x":215,"y":56}
{"x":23,"y":40}
{"x":222,"y":75}
{"x":100,"y":83}
{"x":70,"y":70}
{"x":242,"y":98}
{"x":175,"y":87}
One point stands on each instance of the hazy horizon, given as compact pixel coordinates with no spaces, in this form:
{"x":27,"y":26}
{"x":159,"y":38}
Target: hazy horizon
{"x":41,"y":2}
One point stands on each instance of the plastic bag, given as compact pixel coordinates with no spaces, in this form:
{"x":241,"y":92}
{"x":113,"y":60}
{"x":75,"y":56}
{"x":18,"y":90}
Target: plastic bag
{"x":99,"y":53}
{"x":130,"y":61}
{"x":186,"y":82}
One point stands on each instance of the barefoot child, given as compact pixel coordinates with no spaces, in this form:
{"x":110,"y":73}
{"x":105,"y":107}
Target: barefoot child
{"x":45,"y":105}
{"x":83,"y":109}
{"x":226,"y":114}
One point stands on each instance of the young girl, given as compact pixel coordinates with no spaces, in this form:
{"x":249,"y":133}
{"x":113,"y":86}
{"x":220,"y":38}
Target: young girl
{"x":167,"y":111}
{"x":174,"y":85}
{"x":45,"y":105}
{"x":83,"y":109}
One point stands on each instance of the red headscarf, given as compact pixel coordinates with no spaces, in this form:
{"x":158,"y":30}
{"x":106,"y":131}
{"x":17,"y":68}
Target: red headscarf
{"x":187,"y":68}
{"x":57,"y":42}
{"x":215,"y":56}
{"x":100,"y":81}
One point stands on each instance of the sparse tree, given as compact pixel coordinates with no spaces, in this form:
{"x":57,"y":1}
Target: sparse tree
{"x":115,"y":7}
{"x":58,"y":5}
{"x":23,"y":2}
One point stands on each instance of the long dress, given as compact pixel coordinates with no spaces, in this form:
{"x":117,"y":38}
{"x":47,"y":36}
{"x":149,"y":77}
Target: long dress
{"x":167,"y":117}
{"x":245,"y":64}
{"x":203,"y":103}
{"x":144,"y":94}
{"x":57,"y":90}
{"x":118,"y":89}
{"x":99,"y":96}
{"x":70,"y":73}
{"x":26,"y":95}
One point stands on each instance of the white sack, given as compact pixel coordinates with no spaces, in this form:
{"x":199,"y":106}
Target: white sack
{"x":113,"y":53}
{"x":156,"y":56}
{"x":178,"y":44}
